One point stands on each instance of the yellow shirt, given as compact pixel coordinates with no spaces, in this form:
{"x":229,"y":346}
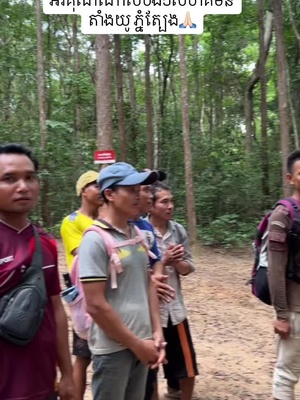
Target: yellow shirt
{"x":71,"y":231}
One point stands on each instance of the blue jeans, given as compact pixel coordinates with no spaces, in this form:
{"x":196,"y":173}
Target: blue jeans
{"x":118,"y":376}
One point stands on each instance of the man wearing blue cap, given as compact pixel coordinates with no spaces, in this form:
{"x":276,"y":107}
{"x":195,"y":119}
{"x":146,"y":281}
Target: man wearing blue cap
{"x":126,"y":334}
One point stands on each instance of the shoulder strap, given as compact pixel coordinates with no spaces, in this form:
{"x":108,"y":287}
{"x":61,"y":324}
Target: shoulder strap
{"x":74,"y":270}
{"x":106,"y":236}
{"x":292,"y":205}
{"x":143,"y":243}
{"x":37,"y":258}
{"x":110,"y":242}
{"x":138,"y":231}
{"x":115,"y":266}
{"x":34,"y":274}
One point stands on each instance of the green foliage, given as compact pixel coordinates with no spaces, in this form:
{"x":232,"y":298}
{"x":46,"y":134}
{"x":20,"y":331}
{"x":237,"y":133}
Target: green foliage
{"x":55,"y":230}
{"x":228,"y":231}
{"x":227,"y":181}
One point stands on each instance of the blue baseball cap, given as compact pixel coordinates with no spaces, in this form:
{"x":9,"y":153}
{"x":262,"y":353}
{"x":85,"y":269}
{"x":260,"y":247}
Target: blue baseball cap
{"x":123,"y":174}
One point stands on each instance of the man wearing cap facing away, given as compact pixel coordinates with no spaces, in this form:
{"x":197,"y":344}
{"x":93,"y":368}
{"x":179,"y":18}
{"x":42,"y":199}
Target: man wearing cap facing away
{"x":126,"y":334}
{"x":72,"y":229}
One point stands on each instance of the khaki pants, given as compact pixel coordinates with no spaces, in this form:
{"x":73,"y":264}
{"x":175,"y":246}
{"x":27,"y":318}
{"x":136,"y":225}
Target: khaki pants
{"x":287,"y":369}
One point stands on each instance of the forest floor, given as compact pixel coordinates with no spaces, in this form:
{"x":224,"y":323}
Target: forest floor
{"x":231,"y":330}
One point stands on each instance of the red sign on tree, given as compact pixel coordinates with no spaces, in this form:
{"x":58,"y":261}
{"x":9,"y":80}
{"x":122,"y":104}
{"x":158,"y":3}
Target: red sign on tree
{"x":104,"y":157}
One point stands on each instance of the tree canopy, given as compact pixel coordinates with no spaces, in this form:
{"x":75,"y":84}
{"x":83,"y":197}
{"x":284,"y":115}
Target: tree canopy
{"x":236,"y":177}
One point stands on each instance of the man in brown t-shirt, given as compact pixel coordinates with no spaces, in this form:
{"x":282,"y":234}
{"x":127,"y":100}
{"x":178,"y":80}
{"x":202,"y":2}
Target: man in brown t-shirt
{"x":285,"y":293}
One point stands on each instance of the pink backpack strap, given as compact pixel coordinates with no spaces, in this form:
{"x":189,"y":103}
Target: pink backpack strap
{"x":115,"y":265}
{"x":112,"y":248}
{"x":74,"y":272}
{"x":144,"y":244}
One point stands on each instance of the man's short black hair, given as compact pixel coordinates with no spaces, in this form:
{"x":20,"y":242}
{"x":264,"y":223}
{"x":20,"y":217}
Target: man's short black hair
{"x":16,"y":148}
{"x":292,"y":158}
{"x":158,"y":187}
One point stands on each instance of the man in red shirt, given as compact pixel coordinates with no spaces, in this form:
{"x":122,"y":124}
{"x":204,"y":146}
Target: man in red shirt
{"x":28,"y":372}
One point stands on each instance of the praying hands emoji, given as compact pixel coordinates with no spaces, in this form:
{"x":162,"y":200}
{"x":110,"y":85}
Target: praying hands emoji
{"x":187,"y":22}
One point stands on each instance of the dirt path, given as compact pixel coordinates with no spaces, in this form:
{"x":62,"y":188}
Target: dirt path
{"x":232,"y":331}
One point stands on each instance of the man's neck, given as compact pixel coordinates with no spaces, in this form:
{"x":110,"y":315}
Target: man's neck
{"x":14,"y":220}
{"x":89,"y":210}
{"x":136,"y":217}
{"x":159,"y":224}
{"x":117,"y":220}
{"x":296,"y":196}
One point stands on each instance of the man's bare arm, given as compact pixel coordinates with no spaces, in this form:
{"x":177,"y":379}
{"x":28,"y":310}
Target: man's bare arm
{"x":157,"y":331}
{"x":66,"y":388}
{"x":74,"y":252}
{"x":164,"y":291}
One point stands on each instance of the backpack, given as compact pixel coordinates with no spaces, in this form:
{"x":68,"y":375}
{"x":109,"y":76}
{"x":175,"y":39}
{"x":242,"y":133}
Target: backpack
{"x":22,"y":308}
{"x":259,"y":279}
{"x":81,"y":319}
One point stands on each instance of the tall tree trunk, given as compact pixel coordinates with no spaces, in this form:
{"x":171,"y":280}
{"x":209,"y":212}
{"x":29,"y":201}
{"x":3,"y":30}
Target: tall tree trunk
{"x":76,"y":72}
{"x":120,"y":99}
{"x":48,"y":66}
{"x":41,"y":77}
{"x":164,"y":67}
{"x":131,"y":79}
{"x":159,"y":132}
{"x":294,"y":24}
{"x":250,"y":132}
{"x":190,"y":199}
{"x":263,"y":104}
{"x":197,"y":107}
{"x":103,"y":93}
{"x":292,"y":109}
{"x":149,"y":109}
{"x":42,"y":112}
{"x":282,"y":90}
{"x":133,"y":112}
